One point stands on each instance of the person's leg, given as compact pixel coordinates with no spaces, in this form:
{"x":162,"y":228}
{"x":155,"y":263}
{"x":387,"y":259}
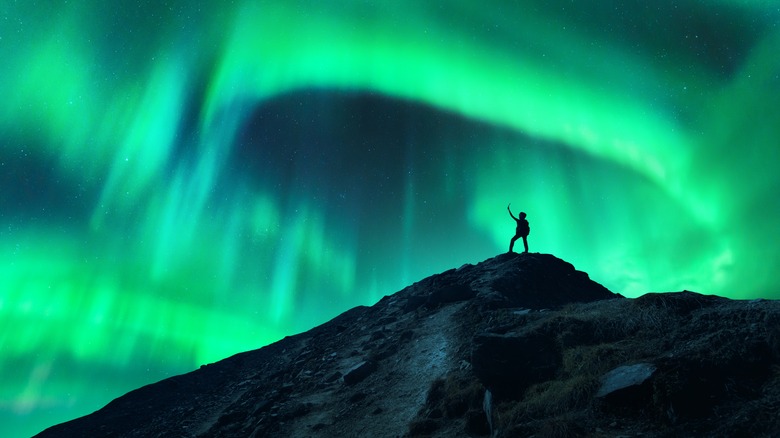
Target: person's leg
{"x":525,"y":243}
{"x":512,"y":242}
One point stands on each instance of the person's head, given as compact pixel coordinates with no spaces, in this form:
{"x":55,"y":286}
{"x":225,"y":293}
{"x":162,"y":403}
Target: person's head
{"x":522,"y":215}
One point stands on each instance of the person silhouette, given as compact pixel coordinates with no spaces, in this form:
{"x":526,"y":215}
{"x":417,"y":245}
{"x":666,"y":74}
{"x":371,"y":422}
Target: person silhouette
{"x":522,"y":229}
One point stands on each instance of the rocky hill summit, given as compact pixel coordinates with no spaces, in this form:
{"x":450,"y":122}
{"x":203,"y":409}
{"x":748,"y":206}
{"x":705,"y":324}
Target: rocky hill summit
{"x":518,"y":345}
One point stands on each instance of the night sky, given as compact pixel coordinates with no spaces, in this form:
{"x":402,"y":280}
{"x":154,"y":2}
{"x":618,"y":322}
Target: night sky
{"x":180,"y":183}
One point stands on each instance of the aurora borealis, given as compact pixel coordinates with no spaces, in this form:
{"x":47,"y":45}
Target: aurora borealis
{"x":179,"y":183}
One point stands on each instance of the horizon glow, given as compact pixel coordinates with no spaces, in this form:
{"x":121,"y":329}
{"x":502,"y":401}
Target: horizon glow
{"x":179,"y":184}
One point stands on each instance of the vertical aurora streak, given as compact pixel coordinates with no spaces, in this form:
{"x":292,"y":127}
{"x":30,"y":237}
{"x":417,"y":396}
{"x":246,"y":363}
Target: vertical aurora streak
{"x":180,"y":183}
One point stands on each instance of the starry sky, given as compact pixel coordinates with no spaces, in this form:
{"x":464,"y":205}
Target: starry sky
{"x":183,"y":182}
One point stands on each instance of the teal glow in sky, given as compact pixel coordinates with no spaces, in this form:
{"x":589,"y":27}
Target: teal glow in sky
{"x":180,"y":183}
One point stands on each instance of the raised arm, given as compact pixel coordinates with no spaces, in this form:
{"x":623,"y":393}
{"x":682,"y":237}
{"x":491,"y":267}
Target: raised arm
{"x":510,"y":212}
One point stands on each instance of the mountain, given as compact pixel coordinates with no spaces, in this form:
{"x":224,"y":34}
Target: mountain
{"x":518,"y":345}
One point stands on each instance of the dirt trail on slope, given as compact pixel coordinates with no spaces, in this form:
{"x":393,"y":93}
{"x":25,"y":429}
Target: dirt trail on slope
{"x":385,"y":402}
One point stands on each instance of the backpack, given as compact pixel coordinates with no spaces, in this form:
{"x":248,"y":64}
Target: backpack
{"x":523,"y":227}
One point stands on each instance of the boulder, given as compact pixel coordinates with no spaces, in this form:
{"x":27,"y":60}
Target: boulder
{"x":627,"y":385}
{"x":359,"y":372}
{"x":451,"y":294}
{"x":506,"y":364}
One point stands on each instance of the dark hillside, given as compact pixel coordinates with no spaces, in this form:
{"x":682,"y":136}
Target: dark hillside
{"x":515,"y":346}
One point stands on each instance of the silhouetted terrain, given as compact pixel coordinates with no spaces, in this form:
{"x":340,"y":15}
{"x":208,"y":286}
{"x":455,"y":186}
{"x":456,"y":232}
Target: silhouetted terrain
{"x":518,"y":345}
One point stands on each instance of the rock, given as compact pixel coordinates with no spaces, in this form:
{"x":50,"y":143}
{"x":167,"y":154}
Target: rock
{"x":451,"y":294}
{"x":333,"y":377}
{"x":487,"y":408}
{"x":507,"y":364}
{"x":413,"y":303}
{"x":538,"y":281}
{"x":626,"y":385}
{"x":359,"y":372}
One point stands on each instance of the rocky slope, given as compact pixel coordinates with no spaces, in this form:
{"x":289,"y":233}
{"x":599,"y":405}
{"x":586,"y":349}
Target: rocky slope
{"x":518,"y":345}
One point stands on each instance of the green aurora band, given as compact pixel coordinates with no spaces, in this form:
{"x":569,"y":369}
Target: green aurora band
{"x":180,"y":183}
